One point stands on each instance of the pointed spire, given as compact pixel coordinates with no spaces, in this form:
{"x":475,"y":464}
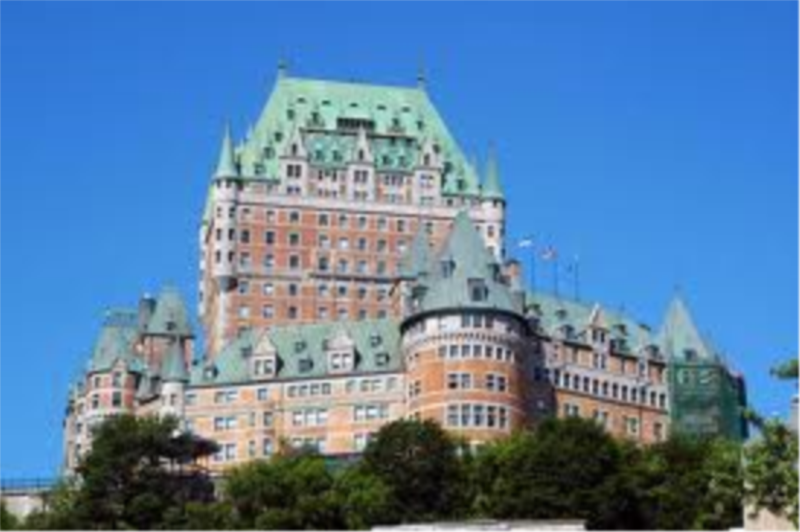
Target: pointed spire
{"x":471,"y":179}
{"x":679,"y":337}
{"x":174,"y":369}
{"x":492,"y":189}
{"x":227,"y":165}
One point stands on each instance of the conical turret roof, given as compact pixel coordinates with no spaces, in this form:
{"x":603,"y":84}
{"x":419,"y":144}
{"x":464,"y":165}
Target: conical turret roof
{"x":226,"y":167}
{"x":492,"y":189}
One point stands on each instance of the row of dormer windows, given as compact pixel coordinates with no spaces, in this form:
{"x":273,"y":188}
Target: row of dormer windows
{"x":602,"y":388}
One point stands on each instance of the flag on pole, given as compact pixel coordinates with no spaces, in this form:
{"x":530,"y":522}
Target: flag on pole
{"x":549,"y":253}
{"x":526,"y":242}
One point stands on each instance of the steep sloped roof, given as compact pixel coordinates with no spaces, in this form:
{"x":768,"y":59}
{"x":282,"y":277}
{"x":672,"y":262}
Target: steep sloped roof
{"x":492,"y":188}
{"x":555,"y":312}
{"x":170,"y":316}
{"x":463,"y":260}
{"x":307,"y":343}
{"x":417,"y":260}
{"x":174,"y":368}
{"x":679,"y":337}
{"x":115,"y":342}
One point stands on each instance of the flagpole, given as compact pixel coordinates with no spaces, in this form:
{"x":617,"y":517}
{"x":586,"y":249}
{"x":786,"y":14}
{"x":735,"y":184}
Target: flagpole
{"x":555,"y":275}
{"x":532,"y":269}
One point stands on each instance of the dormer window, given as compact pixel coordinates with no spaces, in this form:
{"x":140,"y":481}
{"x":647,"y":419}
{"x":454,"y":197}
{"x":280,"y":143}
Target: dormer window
{"x":598,"y":336}
{"x":382,"y":359}
{"x":264,"y":367}
{"x":567,"y":332}
{"x":478,"y":291}
{"x":305,"y":365}
{"x":561,"y":314}
{"x":448,"y":267}
{"x":690,"y":354}
{"x":340,"y":361}
{"x":299,"y":346}
{"x":375,"y":340}
{"x":171,"y":325}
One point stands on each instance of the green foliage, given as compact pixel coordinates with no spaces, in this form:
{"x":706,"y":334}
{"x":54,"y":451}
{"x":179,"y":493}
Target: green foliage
{"x":562,"y":471}
{"x":8,"y":521}
{"x":138,"y":474}
{"x":771,"y":469}
{"x":418,"y":462}
{"x":414,"y":471}
{"x":787,"y":370}
{"x":288,"y":492}
{"x":364,"y":499}
{"x":688,"y":483}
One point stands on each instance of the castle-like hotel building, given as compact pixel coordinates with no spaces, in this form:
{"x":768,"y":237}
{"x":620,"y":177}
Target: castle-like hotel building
{"x":353,"y":271}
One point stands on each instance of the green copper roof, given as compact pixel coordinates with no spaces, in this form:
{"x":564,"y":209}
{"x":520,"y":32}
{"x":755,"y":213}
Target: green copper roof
{"x":399,"y":119}
{"x":301,"y":351}
{"x":491,"y":186}
{"x":554,"y":313}
{"x":417,"y":260}
{"x":115,"y":342}
{"x":462,"y":263}
{"x":170,"y":316}
{"x":227,"y":165}
{"x":174,"y":366}
{"x":471,"y":183}
{"x":679,"y":337}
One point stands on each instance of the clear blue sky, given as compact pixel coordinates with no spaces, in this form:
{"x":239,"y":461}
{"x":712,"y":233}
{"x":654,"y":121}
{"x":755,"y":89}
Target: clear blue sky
{"x":657,"y":140}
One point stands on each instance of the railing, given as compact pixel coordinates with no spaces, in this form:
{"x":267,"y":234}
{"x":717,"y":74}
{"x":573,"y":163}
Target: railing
{"x":8,"y":485}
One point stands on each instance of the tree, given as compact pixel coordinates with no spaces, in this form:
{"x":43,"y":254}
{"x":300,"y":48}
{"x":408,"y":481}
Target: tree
{"x":787,"y":370}
{"x":8,"y":521}
{"x":771,"y":469}
{"x":689,"y":483}
{"x":418,"y":462}
{"x":364,"y":499}
{"x":288,"y":492}
{"x":139,"y":473}
{"x":562,"y":470}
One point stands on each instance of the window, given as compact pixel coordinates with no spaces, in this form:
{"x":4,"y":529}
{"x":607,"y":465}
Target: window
{"x":269,"y":261}
{"x":244,"y":236}
{"x":370,"y":412}
{"x":292,"y":313}
{"x":293,"y":289}
{"x":382,"y":224}
{"x":294,"y":217}
{"x":191,"y":399}
{"x":117,"y":379}
{"x":263,"y":367}
{"x":267,"y":312}
{"x":658,"y":431}
{"x":631,"y":426}
{"x":478,"y":290}
{"x":294,"y":239}
{"x":116,"y":399}
{"x":496,"y":383}
{"x":341,"y":361}
{"x":269,"y":237}
{"x":244,"y":312}
{"x":459,"y":381}
{"x":323,"y":220}
{"x":262,"y":394}
{"x":477,"y":415}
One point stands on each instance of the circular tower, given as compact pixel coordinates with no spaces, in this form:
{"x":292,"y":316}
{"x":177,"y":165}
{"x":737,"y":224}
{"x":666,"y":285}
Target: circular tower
{"x":464,"y":342}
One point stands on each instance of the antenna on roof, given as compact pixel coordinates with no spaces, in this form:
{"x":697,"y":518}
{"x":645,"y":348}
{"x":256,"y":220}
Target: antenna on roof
{"x":421,"y":74}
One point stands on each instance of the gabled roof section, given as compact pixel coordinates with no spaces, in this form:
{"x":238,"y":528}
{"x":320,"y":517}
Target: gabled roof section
{"x":376,"y":346}
{"x":465,"y":274}
{"x":170,"y":317}
{"x":115,"y":342}
{"x":679,"y":337}
{"x":174,"y":367}
{"x":554,"y":313}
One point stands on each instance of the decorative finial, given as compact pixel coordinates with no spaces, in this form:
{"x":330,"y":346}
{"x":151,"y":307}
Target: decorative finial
{"x":283,"y":68}
{"x":421,"y":75}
